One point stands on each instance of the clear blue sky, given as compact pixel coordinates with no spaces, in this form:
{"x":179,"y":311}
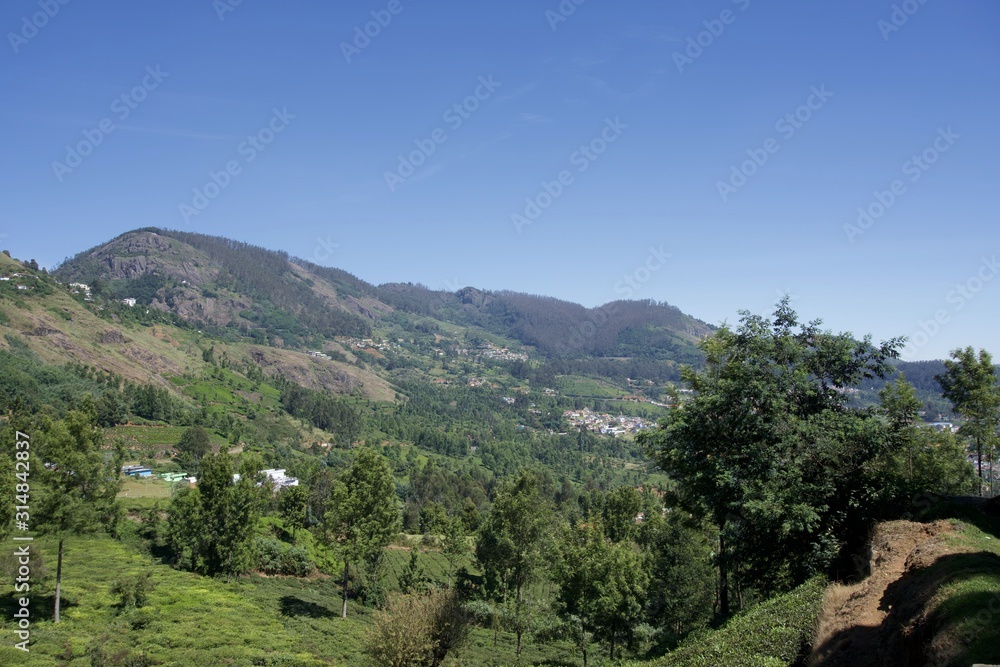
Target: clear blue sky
{"x":319,"y":189}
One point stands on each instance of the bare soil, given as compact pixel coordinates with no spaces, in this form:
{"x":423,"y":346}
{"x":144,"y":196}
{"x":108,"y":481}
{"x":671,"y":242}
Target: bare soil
{"x":856,"y":627}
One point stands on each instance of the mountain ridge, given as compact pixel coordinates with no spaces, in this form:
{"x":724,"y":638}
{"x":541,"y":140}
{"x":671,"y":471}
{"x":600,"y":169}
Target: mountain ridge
{"x":231,"y":284}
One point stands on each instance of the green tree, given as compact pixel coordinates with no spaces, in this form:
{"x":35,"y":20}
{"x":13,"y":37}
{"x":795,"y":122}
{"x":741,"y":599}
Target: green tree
{"x":111,"y":409}
{"x":193,"y":446}
{"x":970,"y":383}
{"x":770,"y":450}
{"x":682,"y":580}
{"x":294,"y":504}
{"x":602,"y":588}
{"x":513,"y":542}
{"x":455,"y":546}
{"x":212,"y":526}
{"x":362,"y":513}
{"x":621,"y":507}
{"x":78,"y":483}
{"x":412,"y":577}
{"x":901,"y":407}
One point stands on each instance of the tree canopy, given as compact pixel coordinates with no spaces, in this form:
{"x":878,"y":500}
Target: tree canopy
{"x":770,"y":450}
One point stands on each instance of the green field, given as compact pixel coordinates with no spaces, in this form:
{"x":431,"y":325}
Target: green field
{"x":193,"y":621}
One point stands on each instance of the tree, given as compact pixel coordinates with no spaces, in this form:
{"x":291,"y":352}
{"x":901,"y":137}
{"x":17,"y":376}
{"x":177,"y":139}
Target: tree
{"x":901,"y":406}
{"x":928,"y":461}
{"x":770,"y":451}
{"x":294,"y":504}
{"x":455,"y":546}
{"x":412,"y":577}
{"x":212,"y":526}
{"x":193,"y":446}
{"x":513,"y":542}
{"x":111,"y":409}
{"x":78,"y":482}
{"x":602,"y":588}
{"x":970,"y":383}
{"x":362,"y":513}
{"x":621,"y":506}
{"x":416,"y":630}
{"x":682,"y":583}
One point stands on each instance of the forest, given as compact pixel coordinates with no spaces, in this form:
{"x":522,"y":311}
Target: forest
{"x":472,"y":522}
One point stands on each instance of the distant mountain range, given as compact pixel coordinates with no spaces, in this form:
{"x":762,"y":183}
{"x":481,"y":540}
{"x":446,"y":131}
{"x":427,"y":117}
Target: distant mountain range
{"x":237,"y":291}
{"x":264,"y":294}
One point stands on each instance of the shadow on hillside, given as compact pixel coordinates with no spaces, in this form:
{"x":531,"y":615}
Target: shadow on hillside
{"x":982,"y":513}
{"x":905,"y":601}
{"x":293,"y":606}
{"x":42,"y":607}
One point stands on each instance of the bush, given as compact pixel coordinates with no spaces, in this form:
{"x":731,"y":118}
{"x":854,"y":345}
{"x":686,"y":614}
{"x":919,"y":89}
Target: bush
{"x":419,"y":629}
{"x":133,"y":591}
{"x":274,"y":557}
{"x":775,"y":633}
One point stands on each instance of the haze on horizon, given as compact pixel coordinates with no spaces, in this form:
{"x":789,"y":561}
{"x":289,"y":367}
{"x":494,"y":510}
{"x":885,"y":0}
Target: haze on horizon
{"x":714,"y":156}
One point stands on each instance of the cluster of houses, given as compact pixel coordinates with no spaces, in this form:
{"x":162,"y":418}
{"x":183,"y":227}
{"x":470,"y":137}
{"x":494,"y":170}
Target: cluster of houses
{"x":81,"y":288}
{"x":369,"y":343}
{"x":942,"y":426}
{"x":279,"y":480}
{"x":142,"y":472}
{"x":17,"y":277}
{"x":491,"y":351}
{"x":603,"y":423}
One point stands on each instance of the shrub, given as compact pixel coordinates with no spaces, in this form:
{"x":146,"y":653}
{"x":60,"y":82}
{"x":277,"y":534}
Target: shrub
{"x":274,"y":557}
{"x":133,"y":591}
{"x":773,"y":634}
{"x":420,"y":629}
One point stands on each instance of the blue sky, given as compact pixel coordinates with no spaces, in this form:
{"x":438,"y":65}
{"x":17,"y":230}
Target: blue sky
{"x":738,"y":137}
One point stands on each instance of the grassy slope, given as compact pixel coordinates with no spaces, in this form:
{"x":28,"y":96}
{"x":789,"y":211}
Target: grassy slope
{"x":958,"y":603}
{"x":193,"y":620}
{"x":772,"y":634}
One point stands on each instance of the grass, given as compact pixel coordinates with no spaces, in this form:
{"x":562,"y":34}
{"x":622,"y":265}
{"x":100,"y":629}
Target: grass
{"x":961,"y":595}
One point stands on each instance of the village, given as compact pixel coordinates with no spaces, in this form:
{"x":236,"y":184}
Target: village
{"x":605,"y":424}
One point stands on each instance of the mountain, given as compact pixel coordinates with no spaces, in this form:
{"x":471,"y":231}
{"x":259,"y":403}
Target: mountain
{"x":231,"y":287}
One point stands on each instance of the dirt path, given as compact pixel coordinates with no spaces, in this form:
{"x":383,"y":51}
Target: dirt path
{"x":851,"y":631}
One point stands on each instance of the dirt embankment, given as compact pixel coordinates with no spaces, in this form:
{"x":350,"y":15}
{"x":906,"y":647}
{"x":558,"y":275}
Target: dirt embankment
{"x":871,"y":624}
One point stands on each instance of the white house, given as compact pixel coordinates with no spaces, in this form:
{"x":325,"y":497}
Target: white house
{"x":277,"y":476}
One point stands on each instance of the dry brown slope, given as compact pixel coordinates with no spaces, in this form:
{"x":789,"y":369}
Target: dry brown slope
{"x":865,"y":624}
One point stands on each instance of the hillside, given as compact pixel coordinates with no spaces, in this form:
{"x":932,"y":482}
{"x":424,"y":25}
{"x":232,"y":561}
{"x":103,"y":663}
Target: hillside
{"x":236,"y":288}
{"x":929,"y":598}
